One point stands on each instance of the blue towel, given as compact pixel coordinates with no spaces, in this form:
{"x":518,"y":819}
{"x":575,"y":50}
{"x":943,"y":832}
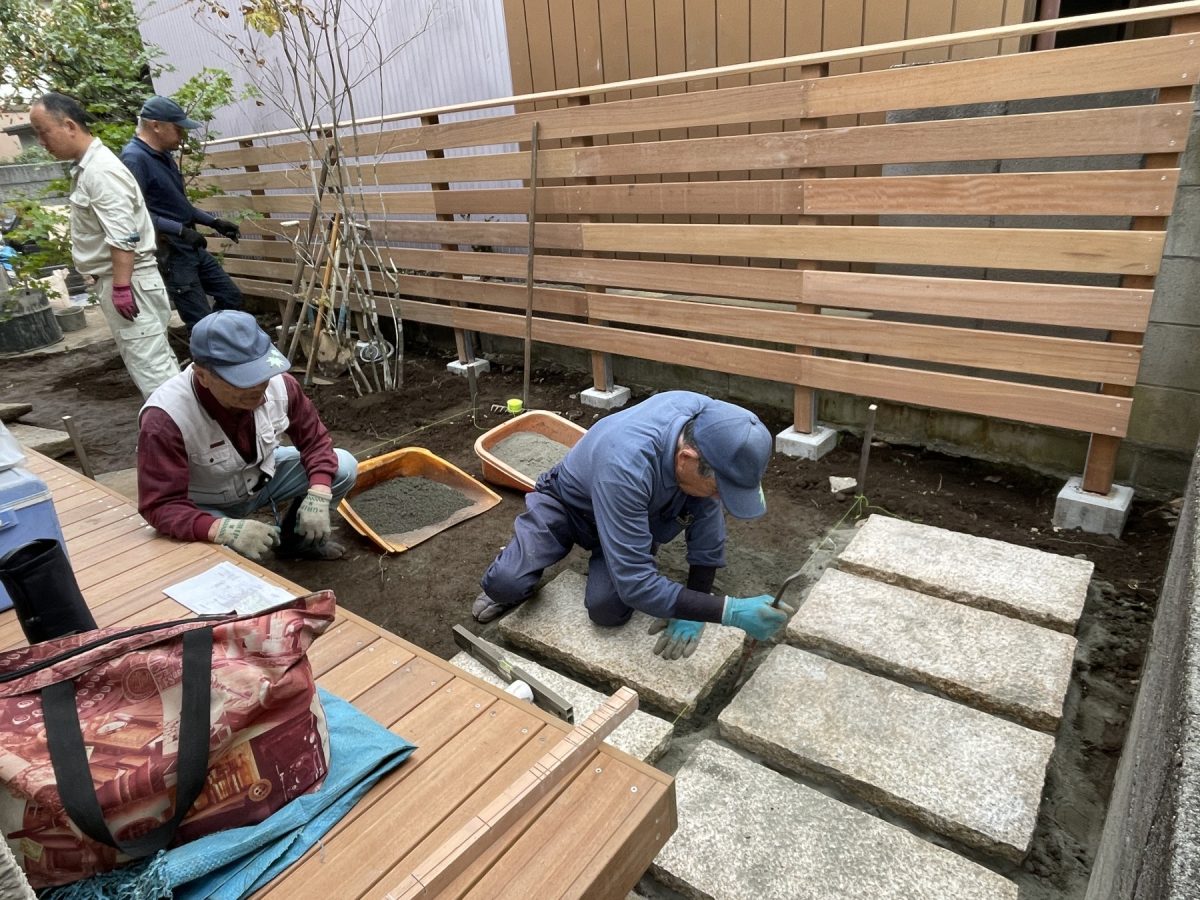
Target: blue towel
{"x":235,"y":863}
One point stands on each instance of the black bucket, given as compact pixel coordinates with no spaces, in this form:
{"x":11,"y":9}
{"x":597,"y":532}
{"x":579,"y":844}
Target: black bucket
{"x":26,"y":322}
{"x":39,"y":579}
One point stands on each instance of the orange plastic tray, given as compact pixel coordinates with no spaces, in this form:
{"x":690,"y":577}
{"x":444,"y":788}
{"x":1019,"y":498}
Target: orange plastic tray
{"x":406,"y":463}
{"x":538,"y":421}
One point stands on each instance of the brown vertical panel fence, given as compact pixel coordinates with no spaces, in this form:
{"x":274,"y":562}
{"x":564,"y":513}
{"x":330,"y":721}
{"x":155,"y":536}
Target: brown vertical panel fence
{"x":1038,"y":322}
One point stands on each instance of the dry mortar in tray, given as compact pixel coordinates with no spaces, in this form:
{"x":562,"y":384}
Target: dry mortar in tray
{"x":529,"y":453}
{"x":399,"y":505}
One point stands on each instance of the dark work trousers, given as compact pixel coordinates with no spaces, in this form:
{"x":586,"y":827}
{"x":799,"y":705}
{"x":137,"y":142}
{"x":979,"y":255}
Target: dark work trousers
{"x":542,"y":535}
{"x":191,"y":275}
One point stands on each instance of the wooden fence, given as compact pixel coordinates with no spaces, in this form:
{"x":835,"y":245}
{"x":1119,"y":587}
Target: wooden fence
{"x":753,"y":260}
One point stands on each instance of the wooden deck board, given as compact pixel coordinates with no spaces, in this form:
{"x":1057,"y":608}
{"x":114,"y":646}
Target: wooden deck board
{"x":592,"y":836}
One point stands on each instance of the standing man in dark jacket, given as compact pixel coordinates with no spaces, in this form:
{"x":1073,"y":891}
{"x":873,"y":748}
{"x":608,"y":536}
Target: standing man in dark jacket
{"x":189,"y":270}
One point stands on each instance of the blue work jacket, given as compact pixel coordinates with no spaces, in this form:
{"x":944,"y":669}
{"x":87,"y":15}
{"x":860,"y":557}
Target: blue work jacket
{"x":620,"y":478}
{"x":162,"y":186}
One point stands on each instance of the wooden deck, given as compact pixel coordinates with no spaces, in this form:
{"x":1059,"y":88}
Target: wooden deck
{"x":593,"y":837}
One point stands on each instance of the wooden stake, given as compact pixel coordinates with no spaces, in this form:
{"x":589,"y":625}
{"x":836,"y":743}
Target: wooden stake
{"x":85,"y":465}
{"x":533,"y":159}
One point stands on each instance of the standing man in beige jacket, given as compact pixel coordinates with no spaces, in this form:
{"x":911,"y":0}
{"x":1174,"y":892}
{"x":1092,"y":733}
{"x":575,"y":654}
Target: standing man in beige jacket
{"x":112,"y":239}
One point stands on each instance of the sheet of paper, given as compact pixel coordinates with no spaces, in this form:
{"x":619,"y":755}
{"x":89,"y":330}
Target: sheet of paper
{"x":224,"y":589}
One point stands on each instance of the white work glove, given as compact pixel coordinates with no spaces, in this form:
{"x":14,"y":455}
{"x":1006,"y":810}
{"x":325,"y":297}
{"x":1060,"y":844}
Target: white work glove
{"x":312,"y":519}
{"x":249,"y":537}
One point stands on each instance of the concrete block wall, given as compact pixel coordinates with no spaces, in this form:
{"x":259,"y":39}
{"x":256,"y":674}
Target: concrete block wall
{"x":28,"y":180}
{"x":1150,"y":848}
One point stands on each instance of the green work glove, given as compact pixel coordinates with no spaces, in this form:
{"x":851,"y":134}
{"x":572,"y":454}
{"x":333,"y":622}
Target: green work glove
{"x":680,"y":637}
{"x":754,"y":615}
{"x":249,"y":537}
{"x":312,"y":519}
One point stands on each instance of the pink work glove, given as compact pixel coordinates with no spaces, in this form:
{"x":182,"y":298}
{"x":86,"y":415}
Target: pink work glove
{"x":123,"y":302}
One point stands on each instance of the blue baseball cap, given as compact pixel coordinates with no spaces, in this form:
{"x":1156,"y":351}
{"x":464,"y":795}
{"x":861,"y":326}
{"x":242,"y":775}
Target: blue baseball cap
{"x":229,"y":343}
{"x":737,"y":445}
{"x":164,"y":109}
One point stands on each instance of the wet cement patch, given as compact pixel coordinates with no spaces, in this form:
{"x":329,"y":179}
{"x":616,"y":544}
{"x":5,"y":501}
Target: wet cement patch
{"x":406,"y":504}
{"x":529,"y":453}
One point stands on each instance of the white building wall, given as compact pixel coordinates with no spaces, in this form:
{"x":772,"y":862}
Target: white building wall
{"x":461,"y":56}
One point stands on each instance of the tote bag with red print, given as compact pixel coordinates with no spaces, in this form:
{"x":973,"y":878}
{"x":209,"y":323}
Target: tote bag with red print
{"x":117,"y":743}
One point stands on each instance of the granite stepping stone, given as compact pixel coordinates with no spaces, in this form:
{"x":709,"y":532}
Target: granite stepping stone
{"x":746,"y":831}
{"x":1033,"y":585}
{"x":642,"y":735}
{"x":46,"y":441}
{"x":10,"y":412}
{"x":987,"y":660}
{"x":554,"y":624}
{"x":963,"y":773}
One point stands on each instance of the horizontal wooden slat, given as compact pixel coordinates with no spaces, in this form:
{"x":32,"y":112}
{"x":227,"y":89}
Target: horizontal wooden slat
{"x":1034,"y":404}
{"x":1078,"y":306}
{"x":999,"y":351}
{"x":1092,"y":69}
{"x":1097,"y":413}
{"x":1150,"y":62}
{"x":1067,"y":250}
{"x":1159,"y":128}
{"x":1073,"y":306}
{"x":1130,"y":192}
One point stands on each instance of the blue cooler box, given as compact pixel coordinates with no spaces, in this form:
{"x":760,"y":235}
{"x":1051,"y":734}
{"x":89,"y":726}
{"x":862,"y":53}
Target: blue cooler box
{"x":26,"y":514}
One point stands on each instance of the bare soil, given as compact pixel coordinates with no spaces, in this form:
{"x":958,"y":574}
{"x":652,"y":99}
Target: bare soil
{"x":422,"y":593}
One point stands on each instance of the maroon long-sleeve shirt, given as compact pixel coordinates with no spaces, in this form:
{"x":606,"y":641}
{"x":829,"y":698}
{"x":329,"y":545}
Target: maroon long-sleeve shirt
{"x":163,"y":461}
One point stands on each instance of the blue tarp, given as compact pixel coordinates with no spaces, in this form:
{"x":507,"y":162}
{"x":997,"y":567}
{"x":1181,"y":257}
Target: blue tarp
{"x":235,"y":863}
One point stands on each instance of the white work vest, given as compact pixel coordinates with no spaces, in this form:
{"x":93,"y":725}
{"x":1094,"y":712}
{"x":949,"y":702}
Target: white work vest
{"x":217,"y":473}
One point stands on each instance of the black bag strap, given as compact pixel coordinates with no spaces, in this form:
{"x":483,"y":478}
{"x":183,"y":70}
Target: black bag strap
{"x":70,"y":761}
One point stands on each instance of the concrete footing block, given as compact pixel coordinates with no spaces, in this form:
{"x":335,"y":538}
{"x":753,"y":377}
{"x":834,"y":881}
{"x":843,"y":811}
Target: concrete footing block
{"x":598,"y":399}
{"x":1093,"y":513}
{"x":462,"y":369}
{"x":791,"y":442}
{"x":746,"y":831}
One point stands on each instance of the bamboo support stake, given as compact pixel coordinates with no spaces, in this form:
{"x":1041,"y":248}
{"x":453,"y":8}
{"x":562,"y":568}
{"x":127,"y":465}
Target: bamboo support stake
{"x":533,"y":181}
{"x":319,"y":314}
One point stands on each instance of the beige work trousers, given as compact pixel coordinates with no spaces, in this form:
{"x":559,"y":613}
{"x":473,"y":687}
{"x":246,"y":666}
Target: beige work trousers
{"x":142,"y":342}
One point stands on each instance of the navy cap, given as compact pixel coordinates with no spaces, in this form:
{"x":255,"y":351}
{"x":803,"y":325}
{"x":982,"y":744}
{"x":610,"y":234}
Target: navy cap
{"x":737,"y":446}
{"x":164,"y":109}
{"x":229,"y":343}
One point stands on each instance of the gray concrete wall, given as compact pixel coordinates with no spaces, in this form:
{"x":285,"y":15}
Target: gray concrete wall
{"x":28,"y":180}
{"x":1150,"y":849}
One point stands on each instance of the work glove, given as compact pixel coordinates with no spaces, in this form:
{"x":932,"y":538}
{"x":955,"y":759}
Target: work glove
{"x":755,"y":616}
{"x":227,"y":229}
{"x":680,"y":637}
{"x":249,"y":537}
{"x":312,"y":518}
{"x":193,"y":238}
{"x":123,"y":302}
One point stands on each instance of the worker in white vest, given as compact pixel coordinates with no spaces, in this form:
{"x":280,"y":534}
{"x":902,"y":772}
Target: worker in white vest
{"x":210,"y":452}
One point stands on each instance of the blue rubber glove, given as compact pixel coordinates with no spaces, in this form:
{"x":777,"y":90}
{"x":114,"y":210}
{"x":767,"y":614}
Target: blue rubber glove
{"x":754,"y":616}
{"x":680,"y":637}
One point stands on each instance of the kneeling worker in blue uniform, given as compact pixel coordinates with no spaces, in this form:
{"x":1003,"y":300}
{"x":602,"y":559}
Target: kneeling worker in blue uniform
{"x":633,"y":482}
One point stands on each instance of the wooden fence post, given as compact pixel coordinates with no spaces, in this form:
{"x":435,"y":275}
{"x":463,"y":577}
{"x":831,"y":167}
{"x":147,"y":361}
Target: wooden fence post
{"x":464,"y":341}
{"x":1101,"y":465}
{"x":804,"y":399}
